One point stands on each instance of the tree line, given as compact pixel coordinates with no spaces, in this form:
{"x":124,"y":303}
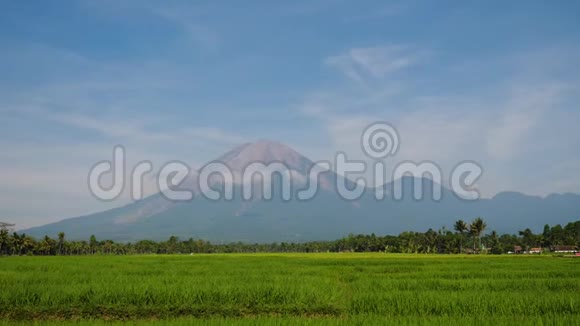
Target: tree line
{"x":463,"y":238}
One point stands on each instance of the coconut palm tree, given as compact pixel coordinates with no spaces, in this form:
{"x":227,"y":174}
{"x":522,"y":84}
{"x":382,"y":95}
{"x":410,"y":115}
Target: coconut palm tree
{"x":28,"y":244}
{"x":61,"y":243}
{"x":460,"y":226}
{"x":4,"y":237}
{"x":47,"y":244}
{"x":476,"y":228}
{"x":17,"y":243}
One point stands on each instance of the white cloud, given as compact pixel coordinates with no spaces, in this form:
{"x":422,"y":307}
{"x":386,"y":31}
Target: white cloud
{"x":511,"y":128}
{"x":133,"y":128}
{"x":509,"y":135}
{"x":186,"y":16}
{"x":359,"y":64}
{"x":188,"y":20}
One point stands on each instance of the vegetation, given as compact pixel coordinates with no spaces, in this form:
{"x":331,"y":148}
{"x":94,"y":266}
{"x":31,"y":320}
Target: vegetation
{"x":564,"y":320}
{"x":327,"y":288}
{"x":89,"y":282}
{"x":441,"y":241}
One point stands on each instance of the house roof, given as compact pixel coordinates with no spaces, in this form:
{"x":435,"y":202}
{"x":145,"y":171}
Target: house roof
{"x":564,"y":248}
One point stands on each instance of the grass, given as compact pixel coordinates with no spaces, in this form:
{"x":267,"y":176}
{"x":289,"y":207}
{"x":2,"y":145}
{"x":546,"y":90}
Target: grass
{"x":290,"y":288}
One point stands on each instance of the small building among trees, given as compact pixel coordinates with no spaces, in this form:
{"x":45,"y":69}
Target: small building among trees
{"x":563,"y":249}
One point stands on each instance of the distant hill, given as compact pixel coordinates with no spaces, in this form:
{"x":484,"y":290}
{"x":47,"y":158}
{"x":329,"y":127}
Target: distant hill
{"x":326,"y":216}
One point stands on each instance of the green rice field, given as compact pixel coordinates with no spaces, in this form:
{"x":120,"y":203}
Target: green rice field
{"x":289,"y":289}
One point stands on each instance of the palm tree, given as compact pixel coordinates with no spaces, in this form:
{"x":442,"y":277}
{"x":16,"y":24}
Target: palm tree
{"x":476,"y":228}
{"x":496,"y":247}
{"x":47,"y":245}
{"x":28,"y":243}
{"x":93,"y":243}
{"x":460,"y":226}
{"x":61,"y":243}
{"x":4,"y":236}
{"x":17,"y":243}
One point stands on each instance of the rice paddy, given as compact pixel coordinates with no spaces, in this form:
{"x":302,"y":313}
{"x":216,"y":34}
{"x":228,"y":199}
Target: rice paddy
{"x":341,"y":288}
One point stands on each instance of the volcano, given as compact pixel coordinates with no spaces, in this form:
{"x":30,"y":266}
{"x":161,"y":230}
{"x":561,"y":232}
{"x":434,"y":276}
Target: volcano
{"x":324,"y":217}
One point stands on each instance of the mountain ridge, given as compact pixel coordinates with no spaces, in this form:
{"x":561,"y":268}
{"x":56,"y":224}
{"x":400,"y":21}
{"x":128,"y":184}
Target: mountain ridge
{"x":326,"y":216}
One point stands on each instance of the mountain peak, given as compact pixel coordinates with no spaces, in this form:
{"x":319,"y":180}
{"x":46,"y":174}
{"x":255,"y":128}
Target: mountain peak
{"x":265,"y":151}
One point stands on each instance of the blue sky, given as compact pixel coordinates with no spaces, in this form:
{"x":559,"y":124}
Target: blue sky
{"x":492,"y":81}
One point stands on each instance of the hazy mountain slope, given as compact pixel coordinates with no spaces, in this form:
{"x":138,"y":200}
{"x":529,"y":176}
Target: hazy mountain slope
{"x":327,"y":216}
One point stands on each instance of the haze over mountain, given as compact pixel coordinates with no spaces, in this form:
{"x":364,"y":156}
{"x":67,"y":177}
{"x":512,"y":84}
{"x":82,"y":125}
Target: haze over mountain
{"x":326,"y":216}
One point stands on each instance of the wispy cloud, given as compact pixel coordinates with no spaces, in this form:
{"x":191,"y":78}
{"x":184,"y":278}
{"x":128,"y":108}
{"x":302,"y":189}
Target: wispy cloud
{"x":509,"y":135}
{"x":502,"y":128}
{"x":136,"y":128}
{"x":189,"y":21}
{"x":359,"y":64}
{"x":189,"y":17}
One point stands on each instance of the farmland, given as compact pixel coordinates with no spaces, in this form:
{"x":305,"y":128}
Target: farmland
{"x":337,"y":288}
